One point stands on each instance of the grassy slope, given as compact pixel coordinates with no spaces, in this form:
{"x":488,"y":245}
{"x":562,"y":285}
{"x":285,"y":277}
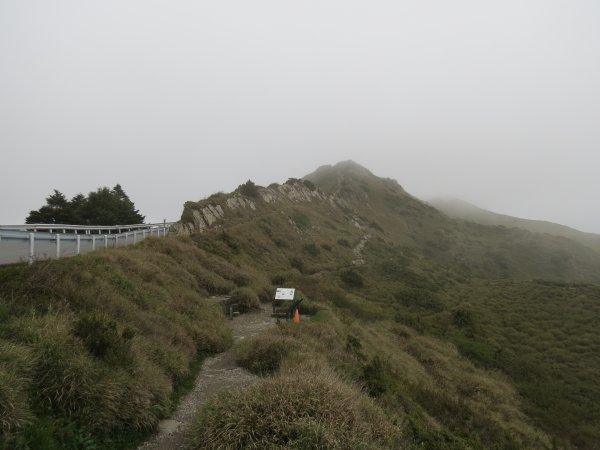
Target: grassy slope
{"x":91,"y":347}
{"x":463,"y":210}
{"x":439,"y":341}
{"x":460,"y":283}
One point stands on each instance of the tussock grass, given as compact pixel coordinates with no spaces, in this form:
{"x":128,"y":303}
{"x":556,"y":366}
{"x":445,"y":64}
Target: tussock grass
{"x":14,"y":405}
{"x":246,"y":299}
{"x":308,"y":408}
{"x":262,"y":355}
{"x":99,"y":340}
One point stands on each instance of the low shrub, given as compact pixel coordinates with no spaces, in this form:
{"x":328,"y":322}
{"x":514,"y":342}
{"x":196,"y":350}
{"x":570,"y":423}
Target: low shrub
{"x":263,"y":354}
{"x":249,"y":189}
{"x":297,"y":263}
{"x":326,"y":247}
{"x":352,"y":278}
{"x":102,"y":339}
{"x":300,"y":219}
{"x":280,"y":243}
{"x":278,"y":279}
{"x":376,"y":377}
{"x":246,"y":299}
{"x":265,"y":294}
{"x":308,"y":307}
{"x":309,"y":408}
{"x":311,"y":249}
{"x":213,"y":283}
{"x":343,"y":242}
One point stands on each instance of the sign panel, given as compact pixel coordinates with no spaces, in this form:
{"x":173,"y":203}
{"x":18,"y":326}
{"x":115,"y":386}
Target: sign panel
{"x":284,"y":294}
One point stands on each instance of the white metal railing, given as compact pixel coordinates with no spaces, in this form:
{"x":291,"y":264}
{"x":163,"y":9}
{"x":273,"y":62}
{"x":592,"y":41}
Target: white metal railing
{"x":47,"y":241}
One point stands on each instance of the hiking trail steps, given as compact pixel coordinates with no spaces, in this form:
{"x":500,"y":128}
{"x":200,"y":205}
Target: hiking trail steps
{"x":217,"y":374}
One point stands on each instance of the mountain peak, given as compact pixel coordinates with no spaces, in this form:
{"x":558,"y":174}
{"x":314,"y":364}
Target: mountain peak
{"x":328,"y":176}
{"x":353,"y":167}
{"x":348,"y":167}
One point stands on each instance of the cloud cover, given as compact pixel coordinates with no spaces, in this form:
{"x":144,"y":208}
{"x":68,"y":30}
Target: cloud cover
{"x":497,"y":103}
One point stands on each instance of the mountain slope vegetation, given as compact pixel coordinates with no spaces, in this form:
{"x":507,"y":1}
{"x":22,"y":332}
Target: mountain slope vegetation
{"x":419,"y":331}
{"x":489,"y":292}
{"x":460,"y":209}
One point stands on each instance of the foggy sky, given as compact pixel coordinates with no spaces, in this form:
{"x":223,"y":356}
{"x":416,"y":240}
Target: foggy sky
{"x":496,"y":103}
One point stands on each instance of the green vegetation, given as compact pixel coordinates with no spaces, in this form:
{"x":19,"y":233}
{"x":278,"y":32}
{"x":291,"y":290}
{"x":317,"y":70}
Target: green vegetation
{"x":465,"y":211}
{"x":249,"y":189}
{"x":91,"y":347}
{"x":245,"y":298}
{"x":313,"y":410}
{"x":432,"y":339}
{"x":103,"y":207}
{"x":451,"y":335}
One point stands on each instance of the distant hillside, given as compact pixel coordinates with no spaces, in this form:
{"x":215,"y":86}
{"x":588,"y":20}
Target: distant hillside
{"x":460,"y":209}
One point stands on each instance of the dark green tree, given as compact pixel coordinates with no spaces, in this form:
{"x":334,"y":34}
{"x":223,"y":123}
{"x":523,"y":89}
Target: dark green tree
{"x":56,"y":210}
{"x":249,"y":189}
{"x":102,"y":207}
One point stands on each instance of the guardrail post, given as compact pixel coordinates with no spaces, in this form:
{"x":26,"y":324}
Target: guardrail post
{"x":93,"y":243}
{"x":105,"y":241}
{"x":78,"y":244}
{"x":143,"y":234}
{"x":57,"y":246}
{"x":31,"y":247}
{"x":134,"y":237}
{"x":116,"y":240}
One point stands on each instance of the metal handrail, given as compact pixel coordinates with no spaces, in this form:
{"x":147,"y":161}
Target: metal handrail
{"x":60,"y":226}
{"x":58,"y":232}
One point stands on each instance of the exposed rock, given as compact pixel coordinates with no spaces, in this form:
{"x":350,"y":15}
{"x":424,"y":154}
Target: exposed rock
{"x":240,"y":202}
{"x":268,"y":195}
{"x":208,"y":215}
{"x":199,"y":220}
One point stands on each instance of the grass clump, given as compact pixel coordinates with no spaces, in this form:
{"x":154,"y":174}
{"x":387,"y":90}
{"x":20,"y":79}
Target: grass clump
{"x":304,"y":409}
{"x":263,"y":354}
{"x":343,"y":242}
{"x":14,"y":407}
{"x":352,"y":278}
{"x":246,"y":299}
{"x":100,"y":336}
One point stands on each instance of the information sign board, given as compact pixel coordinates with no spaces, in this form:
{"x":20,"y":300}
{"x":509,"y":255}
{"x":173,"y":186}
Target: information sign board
{"x":285,"y":294}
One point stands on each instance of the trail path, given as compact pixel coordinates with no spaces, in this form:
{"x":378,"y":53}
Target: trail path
{"x":218,"y":373}
{"x":359,"y":260}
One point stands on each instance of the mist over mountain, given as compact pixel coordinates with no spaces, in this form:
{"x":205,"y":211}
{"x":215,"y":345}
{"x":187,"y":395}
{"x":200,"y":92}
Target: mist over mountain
{"x":460,"y":209}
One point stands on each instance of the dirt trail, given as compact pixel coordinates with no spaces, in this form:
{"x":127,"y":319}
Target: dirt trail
{"x":359,"y":260}
{"x":218,"y":373}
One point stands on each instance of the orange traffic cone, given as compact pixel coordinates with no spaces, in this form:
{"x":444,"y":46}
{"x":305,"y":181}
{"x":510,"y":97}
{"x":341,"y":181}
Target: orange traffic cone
{"x":296,"y":316}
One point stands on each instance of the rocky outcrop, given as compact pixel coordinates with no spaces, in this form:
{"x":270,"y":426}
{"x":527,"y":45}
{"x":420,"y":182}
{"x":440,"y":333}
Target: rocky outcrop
{"x":207,"y":214}
{"x":296,"y":192}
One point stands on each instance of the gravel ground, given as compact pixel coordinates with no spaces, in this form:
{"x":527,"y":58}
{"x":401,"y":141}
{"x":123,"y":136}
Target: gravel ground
{"x":218,"y":373}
